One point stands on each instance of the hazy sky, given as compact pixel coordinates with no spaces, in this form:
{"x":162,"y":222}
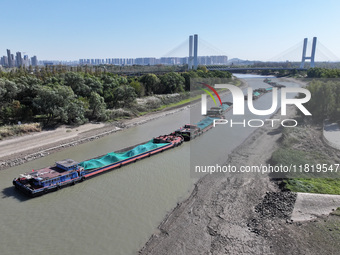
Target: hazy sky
{"x":247,"y":29}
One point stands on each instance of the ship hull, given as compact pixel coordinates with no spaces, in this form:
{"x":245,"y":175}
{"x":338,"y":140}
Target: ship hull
{"x":26,"y":188}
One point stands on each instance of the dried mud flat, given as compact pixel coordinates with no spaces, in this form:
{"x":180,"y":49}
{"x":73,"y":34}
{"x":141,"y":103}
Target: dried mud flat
{"x":238,"y":214}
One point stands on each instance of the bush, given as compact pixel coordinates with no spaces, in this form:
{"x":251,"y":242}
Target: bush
{"x":11,"y":130}
{"x":119,"y":113}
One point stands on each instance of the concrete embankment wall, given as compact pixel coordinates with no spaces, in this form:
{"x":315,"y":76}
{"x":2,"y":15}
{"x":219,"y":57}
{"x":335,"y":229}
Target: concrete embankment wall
{"x":331,"y":134}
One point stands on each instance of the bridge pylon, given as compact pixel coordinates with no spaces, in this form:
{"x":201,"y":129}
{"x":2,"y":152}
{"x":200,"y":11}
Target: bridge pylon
{"x":192,"y":60}
{"x":312,"y":57}
{"x":195,"y":51}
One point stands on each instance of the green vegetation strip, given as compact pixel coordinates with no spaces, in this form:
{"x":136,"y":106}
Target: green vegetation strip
{"x":11,"y":130}
{"x":182,"y":102}
{"x":316,"y":185}
{"x":297,"y":150}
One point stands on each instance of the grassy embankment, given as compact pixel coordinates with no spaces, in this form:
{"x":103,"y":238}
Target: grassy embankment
{"x":12,"y":130}
{"x":302,"y":146}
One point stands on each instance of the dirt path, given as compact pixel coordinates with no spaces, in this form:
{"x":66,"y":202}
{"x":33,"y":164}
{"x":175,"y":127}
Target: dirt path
{"x":41,"y":139}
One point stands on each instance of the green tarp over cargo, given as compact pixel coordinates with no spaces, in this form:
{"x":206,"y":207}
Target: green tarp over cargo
{"x":225,"y":107}
{"x":205,"y":122}
{"x":113,"y":157}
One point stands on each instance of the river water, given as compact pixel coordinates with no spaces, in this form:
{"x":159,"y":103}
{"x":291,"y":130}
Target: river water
{"x":114,"y":213}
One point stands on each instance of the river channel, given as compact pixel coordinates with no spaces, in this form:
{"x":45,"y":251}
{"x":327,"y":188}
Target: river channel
{"x":117,"y":212}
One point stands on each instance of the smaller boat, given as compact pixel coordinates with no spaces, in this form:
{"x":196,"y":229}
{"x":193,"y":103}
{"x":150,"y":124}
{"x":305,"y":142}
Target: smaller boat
{"x":218,"y":111}
{"x":188,"y":132}
{"x":259,"y":92}
{"x":274,"y":84}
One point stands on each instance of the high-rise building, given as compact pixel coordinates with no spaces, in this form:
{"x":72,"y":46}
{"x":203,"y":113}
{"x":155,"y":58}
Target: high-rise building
{"x":4,"y":61}
{"x":26,"y":61}
{"x":18,"y":59}
{"x":34,"y":61}
{"x":12,"y":60}
{"x":9,"y":56}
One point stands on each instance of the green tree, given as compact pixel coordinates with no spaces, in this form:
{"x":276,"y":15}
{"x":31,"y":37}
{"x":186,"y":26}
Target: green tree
{"x":187,"y":76}
{"x":150,"y":83}
{"x":97,"y":107}
{"x":77,"y":82}
{"x":54,"y":102}
{"x":76,"y":112}
{"x":137,"y":87}
{"x":220,"y":74}
{"x":202,"y":68}
{"x":325,"y":100}
{"x":109,"y":82}
{"x":8,"y":90}
{"x":124,"y":96}
{"x":172,"y":83}
{"x":29,"y":87}
{"x":314,"y":72}
{"x":94,"y":84}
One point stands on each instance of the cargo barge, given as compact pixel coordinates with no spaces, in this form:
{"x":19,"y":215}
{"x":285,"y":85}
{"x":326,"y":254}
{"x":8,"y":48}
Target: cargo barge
{"x":257,"y":93}
{"x":191,"y":131}
{"x":218,"y":111}
{"x":273,"y":83}
{"x":69,"y":172}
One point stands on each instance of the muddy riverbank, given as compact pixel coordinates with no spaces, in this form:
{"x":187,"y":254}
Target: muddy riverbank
{"x":238,"y":214}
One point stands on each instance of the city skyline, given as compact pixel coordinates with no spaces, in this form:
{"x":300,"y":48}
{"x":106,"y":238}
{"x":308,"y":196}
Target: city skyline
{"x":202,"y":60}
{"x":253,"y":30}
{"x":11,"y":60}
{"x":17,"y":60}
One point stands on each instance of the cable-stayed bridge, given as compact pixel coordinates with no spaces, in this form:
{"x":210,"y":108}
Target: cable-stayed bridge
{"x":304,"y":55}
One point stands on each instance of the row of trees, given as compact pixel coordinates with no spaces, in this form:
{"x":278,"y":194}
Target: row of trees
{"x":323,"y":73}
{"x":27,"y":98}
{"x":75,"y":97}
{"x":52,"y":70}
{"x":325,"y":102}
